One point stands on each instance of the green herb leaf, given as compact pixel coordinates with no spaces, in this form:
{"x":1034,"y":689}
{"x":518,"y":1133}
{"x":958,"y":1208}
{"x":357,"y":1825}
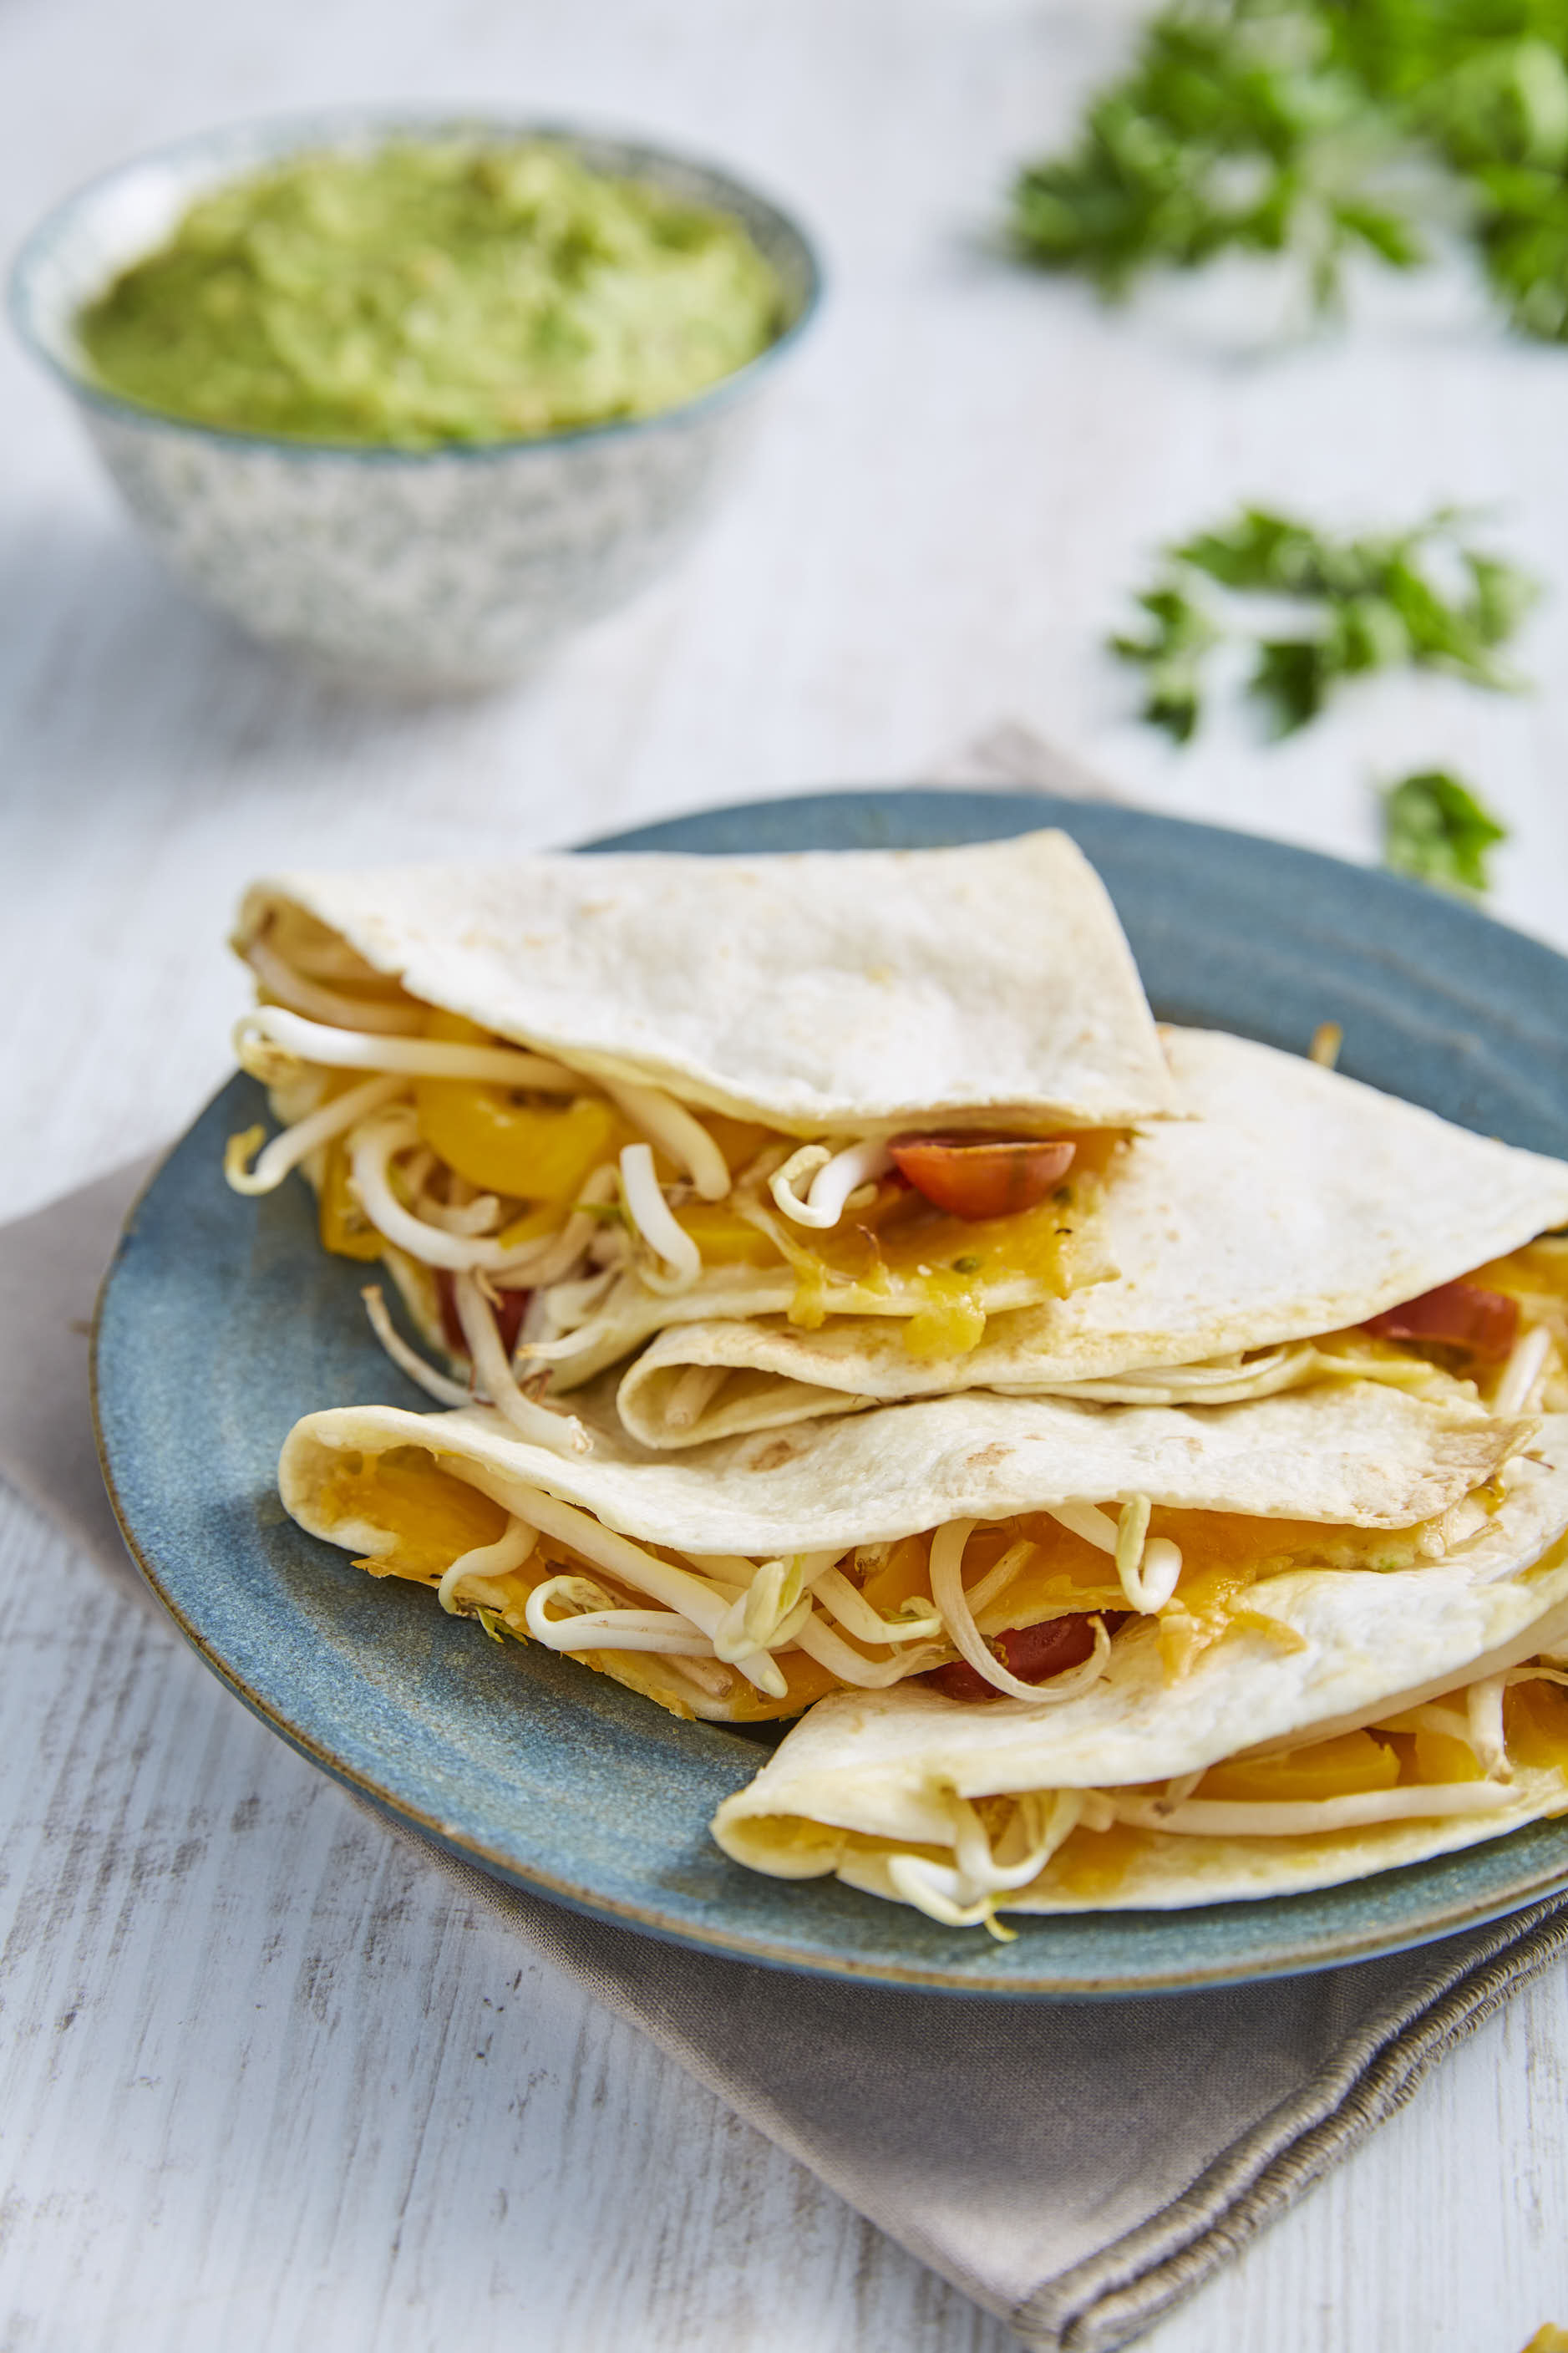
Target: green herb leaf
{"x":1259,"y":551}
{"x":1236,"y":130}
{"x":1173,"y":653}
{"x":1315,"y":129}
{"x":1292,"y":681}
{"x":1423,"y":599}
{"x":1435,"y":830}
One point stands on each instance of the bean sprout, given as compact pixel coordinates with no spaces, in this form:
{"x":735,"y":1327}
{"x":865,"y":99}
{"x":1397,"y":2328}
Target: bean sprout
{"x":963,"y":1895}
{"x":480,"y":1216}
{"x":296,"y":1143}
{"x":1305,"y":1817}
{"x":1148,"y":1569}
{"x":996,"y":1581}
{"x":1088,"y":1521}
{"x":947,"y":1592}
{"x":408,"y":1359}
{"x":510,"y":1550}
{"x":1483,"y":1727}
{"x":768,"y":1614}
{"x":834,"y":1175}
{"x":321,"y":1004}
{"x":561,"y":1433}
{"x":596,"y":1623}
{"x":820,"y":1641}
{"x":372,"y":1147}
{"x":541,"y":1263}
{"x":842,"y":1600}
{"x":571,"y":1304}
{"x":271,"y":1032}
{"x":1526,"y":1363}
{"x":672,"y":1127}
{"x":696,"y":1597}
{"x":650,"y":1214}
{"x":933,"y":1888}
{"x":1038,"y":1826}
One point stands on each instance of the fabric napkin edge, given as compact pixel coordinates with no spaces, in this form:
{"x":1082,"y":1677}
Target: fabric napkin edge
{"x":1116,"y":2295}
{"x":1104,"y":2303}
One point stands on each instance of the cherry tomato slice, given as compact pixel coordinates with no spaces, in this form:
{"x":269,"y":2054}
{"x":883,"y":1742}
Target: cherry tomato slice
{"x":1454,"y":1315}
{"x":1034,"y":1653}
{"x":508,"y":1316}
{"x":982,"y":1175}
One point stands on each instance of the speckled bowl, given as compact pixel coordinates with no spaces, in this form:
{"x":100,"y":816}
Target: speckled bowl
{"x":422,"y":571}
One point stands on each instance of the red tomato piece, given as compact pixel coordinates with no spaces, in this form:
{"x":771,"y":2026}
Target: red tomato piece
{"x":508,"y":1316}
{"x":1034,"y":1653}
{"x":982,"y":1175}
{"x":1454,"y":1315}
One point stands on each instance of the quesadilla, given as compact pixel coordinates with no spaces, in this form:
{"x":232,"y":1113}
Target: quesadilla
{"x":1376,"y":1719}
{"x":1004,"y":1546}
{"x":1296,"y":1226}
{"x":1420,"y":1781}
{"x":697,"y":1083}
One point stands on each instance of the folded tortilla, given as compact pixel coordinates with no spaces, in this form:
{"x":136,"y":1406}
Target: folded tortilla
{"x":1101,"y":1795}
{"x":666,"y":1079}
{"x":787,"y":1565}
{"x":1121,"y":1851}
{"x":1292,"y":1204}
{"x":831,"y":992}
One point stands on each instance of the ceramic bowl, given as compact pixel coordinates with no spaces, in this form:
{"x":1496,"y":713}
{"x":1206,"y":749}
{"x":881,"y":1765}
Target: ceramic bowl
{"x":419,"y":570}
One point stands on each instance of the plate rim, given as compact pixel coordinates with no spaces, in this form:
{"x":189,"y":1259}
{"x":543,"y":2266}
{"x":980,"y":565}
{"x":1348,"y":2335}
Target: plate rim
{"x":1333,"y":1947}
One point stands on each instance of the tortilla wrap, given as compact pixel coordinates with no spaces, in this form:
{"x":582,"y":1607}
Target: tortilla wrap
{"x":1352,"y":1461}
{"x":1293,"y":1203}
{"x":1359,"y":1456}
{"x":818,"y":992}
{"x":1159,"y":1872}
{"x":869,"y":1775}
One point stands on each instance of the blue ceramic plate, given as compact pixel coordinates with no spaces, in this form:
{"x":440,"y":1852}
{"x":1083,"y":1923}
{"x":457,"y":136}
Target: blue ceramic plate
{"x":222,"y":1321}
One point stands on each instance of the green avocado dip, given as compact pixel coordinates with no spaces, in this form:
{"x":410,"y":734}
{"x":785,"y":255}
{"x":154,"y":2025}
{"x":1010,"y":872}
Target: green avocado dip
{"x":432,"y":292}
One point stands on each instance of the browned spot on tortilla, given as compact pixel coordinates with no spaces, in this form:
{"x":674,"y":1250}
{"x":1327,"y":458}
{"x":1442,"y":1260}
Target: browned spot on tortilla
{"x":989,"y":1454}
{"x":777,"y":1451}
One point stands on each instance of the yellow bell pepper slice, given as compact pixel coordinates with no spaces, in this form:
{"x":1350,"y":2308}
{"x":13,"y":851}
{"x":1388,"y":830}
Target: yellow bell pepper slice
{"x":433,"y":1515}
{"x":1330,"y":1768}
{"x":1440,"y":1756}
{"x":531,"y":1151}
{"x":344,"y":1228}
{"x":1536,"y":1717}
{"x":723,"y":1239}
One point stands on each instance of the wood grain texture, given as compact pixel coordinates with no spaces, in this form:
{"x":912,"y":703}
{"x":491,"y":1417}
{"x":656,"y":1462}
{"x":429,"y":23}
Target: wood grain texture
{"x":265,"y":2082}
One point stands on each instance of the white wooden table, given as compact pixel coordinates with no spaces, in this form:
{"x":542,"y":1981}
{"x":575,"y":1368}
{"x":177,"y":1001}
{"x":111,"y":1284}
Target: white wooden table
{"x":264,"y":2082}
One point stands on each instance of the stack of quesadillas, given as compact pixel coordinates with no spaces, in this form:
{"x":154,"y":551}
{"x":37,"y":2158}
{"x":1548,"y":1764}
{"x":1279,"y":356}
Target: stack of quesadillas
{"x":1138,"y":1458}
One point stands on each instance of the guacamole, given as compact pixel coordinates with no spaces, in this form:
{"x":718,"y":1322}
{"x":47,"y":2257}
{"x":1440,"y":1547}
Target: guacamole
{"x":430,"y":292}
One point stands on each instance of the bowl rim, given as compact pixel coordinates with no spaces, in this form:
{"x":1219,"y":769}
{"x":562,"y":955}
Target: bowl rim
{"x":288,"y":134}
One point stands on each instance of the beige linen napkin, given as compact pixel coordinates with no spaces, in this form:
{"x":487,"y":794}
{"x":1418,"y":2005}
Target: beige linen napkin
{"x":1075,"y":2167}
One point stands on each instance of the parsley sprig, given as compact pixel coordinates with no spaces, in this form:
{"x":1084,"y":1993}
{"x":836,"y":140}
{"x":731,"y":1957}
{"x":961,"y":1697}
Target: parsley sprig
{"x":1319,"y":609}
{"x":1318,"y":129}
{"x":1435,"y":830}
{"x":1234,"y":131}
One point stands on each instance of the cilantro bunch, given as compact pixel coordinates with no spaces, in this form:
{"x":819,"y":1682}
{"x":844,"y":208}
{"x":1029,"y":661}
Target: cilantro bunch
{"x":1315,"y":129}
{"x":1236,"y":130}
